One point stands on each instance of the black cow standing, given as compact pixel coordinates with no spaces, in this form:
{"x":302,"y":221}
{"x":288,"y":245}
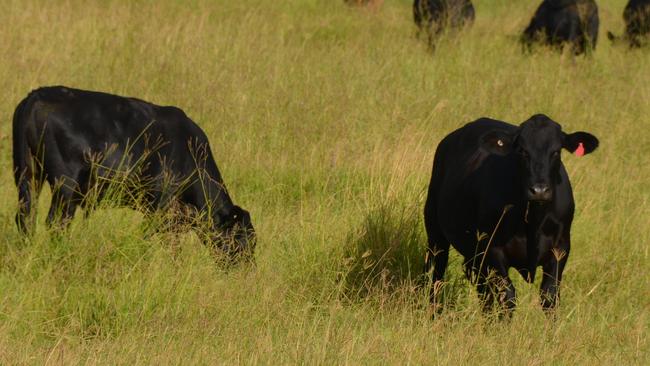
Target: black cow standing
{"x":637,"y":23}
{"x":434,"y":16}
{"x":78,"y":140}
{"x":501,"y":196}
{"x":560,"y":22}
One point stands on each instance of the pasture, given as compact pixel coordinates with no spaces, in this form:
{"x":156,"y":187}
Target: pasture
{"x":323,"y":119}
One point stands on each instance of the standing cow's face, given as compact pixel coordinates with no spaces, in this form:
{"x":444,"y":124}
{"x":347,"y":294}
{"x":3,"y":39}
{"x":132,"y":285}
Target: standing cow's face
{"x":537,"y":144}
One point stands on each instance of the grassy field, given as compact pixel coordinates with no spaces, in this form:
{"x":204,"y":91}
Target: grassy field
{"x":323,"y":119}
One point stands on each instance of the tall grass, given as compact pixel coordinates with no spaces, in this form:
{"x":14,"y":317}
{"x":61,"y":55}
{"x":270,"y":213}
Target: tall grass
{"x":323,"y":119}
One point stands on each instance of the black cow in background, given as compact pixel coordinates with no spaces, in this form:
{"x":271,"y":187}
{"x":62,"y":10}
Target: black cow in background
{"x":560,"y":22}
{"x":637,"y":23}
{"x":78,"y":140}
{"x":501,"y":196}
{"x":434,"y":16}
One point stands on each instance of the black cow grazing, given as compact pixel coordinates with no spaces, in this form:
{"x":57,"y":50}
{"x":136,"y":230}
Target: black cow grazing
{"x":637,"y":23}
{"x":77,"y":140}
{"x":434,"y":16}
{"x":560,"y":22}
{"x":501,"y":196}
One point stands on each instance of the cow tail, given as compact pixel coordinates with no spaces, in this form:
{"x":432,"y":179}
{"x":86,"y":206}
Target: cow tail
{"x":24,"y":166}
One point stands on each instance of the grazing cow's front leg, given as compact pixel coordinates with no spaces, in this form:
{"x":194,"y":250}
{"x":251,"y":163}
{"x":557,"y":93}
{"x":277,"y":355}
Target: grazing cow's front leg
{"x":553,"y":268}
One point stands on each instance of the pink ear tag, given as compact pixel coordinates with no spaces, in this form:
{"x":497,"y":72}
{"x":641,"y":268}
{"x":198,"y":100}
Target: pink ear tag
{"x":580,"y":151}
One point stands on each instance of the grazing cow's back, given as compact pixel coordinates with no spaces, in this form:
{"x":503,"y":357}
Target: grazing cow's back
{"x":560,"y":22}
{"x":77,"y":140}
{"x":434,"y":16}
{"x":500,"y":195}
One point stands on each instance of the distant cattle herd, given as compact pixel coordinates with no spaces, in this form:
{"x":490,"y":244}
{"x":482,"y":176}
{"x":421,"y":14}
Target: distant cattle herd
{"x":499,"y":193}
{"x":556,"y":23}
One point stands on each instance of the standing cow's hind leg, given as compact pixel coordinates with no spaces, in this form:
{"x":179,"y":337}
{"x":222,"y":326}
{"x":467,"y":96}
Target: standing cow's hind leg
{"x":436,"y":260}
{"x":507,"y":295}
{"x":437,"y":254}
{"x":486,"y":291}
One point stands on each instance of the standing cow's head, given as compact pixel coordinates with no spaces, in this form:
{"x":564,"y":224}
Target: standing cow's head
{"x":537,"y":144}
{"x":237,"y":237}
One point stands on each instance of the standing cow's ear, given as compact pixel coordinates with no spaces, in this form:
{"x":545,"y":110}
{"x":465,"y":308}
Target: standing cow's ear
{"x":580,"y":143}
{"x":497,"y":142}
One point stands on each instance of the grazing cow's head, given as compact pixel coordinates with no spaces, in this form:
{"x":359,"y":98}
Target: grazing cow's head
{"x":238,"y":234}
{"x":537,"y":143}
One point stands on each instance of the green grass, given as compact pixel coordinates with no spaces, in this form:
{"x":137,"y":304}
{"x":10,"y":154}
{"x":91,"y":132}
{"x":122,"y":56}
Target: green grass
{"x":323,"y":119}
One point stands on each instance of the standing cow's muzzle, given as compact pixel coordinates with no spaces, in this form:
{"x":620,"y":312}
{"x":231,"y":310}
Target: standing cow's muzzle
{"x":540,"y":192}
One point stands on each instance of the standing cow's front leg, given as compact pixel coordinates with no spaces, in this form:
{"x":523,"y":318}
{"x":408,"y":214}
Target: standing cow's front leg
{"x":553,"y":268}
{"x":500,"y":286}
{"x":494,"y":281}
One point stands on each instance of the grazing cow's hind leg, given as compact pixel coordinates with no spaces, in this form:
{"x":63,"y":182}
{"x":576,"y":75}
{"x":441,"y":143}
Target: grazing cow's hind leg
{"x":65,"y":199}
{"x":24,"y":214}
{"x":29,"y":182}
